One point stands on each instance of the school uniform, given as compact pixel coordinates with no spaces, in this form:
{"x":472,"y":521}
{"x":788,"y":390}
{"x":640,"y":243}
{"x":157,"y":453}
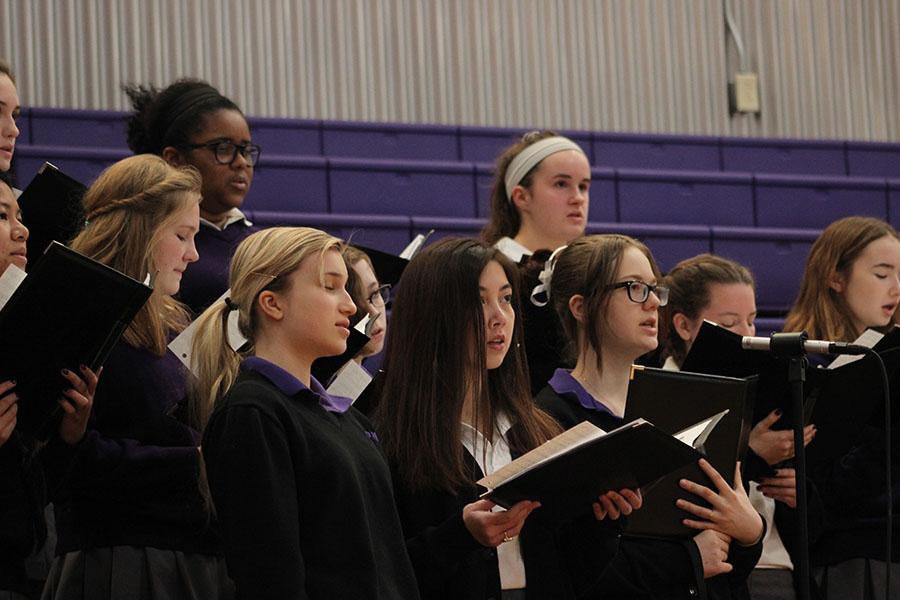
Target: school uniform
{"x":303,"y":493}
{"x":646,"y":568}
{"x":207,"y":279}
{"x":129,"y":509}
{"x":546,"y":562}
{"x":21,"y":492}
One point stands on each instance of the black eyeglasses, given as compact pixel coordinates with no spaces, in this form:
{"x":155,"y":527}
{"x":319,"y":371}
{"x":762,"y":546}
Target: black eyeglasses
{"x":381,"y":296}
{"x":639,"y":292}
{"x":226,"y":151}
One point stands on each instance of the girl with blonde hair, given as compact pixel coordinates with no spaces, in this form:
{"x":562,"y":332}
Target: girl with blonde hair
{"x":131,"y":521}
{"x":301,"y":489}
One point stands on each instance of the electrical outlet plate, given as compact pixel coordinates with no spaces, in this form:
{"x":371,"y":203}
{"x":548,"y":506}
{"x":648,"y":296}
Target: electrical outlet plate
{"x":746,"y":87}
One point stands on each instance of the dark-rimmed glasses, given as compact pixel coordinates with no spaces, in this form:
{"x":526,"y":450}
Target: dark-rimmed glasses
{"x":381,"y":296}
{"x":226,"y":151}
{"x":639,"y":292}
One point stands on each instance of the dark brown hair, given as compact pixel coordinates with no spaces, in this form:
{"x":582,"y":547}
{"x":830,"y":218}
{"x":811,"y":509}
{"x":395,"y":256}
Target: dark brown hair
{"x":6,"y":70}
{"x":436,"y":357}
{"x":505,"y":220}
{"x":354,"y":286}
{"x":820,"y":310}
{"x":588,"y":267}
{"x":689,"y":282}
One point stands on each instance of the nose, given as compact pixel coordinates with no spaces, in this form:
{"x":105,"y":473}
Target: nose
{"x":652,"y":302}
{"x":192,"y":255}
{"x":10,"y":128}
{"x":495,"y":315}
{"x":347,"y":307}
{"x":18,"y":232}
{"x":240,"y":161}
{"x":744,"y":329}
{"x":895,"y":285}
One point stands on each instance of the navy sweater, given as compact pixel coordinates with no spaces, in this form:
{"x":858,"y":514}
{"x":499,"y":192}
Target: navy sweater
{"x":207,"y":279}
{"x":135,"y":478}
{"x":303,"y":495}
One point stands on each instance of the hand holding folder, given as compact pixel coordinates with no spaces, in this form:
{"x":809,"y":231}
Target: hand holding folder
{"x":568,"y":473}
{"x":68,"y":311}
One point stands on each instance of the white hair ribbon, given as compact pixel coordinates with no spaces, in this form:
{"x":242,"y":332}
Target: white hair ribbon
{"x":545,"y":277}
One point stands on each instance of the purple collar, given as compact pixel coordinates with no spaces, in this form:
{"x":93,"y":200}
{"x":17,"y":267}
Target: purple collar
{"x":564,"y":384}
{"x":291,"y":386}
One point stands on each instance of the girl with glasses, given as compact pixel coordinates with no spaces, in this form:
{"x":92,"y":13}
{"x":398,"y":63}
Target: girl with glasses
{"x":370,"y":298}
{"x":605,"y":290}
{"x":191,"y":123}
{"x":455,"y":406}
{"x":301,"y":488}
{"x":539,"y":201}
{"x":708,"y":287}
{"x":852,"y":283}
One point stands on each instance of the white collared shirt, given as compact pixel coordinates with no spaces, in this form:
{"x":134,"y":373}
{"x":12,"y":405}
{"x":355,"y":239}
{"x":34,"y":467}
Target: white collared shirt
{"x":490,"y":456}
{"x":233,"y":216}
{"x":513,"y":250}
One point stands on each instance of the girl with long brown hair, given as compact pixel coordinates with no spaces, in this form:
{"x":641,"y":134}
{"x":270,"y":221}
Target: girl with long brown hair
{"x":455,"y":406}
{"x":852,"y":283}
{"x":606,"y":291}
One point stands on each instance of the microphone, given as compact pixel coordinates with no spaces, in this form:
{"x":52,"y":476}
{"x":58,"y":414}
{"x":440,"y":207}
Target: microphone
{"x":811,"y":346}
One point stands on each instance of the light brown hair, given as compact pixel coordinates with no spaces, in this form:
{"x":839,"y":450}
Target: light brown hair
{"x":125,"y":208}
{"x":820,"y":310}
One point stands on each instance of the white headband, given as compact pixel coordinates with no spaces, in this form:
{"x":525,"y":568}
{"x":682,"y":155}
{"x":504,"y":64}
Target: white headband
{"x":532,"y":155}
{"x":545,"y":277}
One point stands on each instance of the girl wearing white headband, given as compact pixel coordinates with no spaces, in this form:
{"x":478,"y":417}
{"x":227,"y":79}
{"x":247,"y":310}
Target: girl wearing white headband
{"x":539,"y":201}
{"x":540,"y":195}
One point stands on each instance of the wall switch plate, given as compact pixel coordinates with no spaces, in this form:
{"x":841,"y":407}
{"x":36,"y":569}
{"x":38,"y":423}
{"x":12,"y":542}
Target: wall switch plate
{"x":746,"y":96}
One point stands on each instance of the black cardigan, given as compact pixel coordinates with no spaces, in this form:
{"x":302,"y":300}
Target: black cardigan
{"x":646,"y":568}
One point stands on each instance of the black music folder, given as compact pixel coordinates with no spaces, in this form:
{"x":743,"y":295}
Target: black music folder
{"x":672,"y":400}
{"x":68,"y":311}
{"x":839,"y":401}
{"x":51,"y":209}
{"x":568,"y":473}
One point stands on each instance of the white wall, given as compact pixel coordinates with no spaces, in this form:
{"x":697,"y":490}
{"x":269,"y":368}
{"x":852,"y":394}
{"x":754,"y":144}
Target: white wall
{"x":828,"y":68}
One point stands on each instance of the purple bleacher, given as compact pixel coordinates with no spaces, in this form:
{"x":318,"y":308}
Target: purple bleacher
{"x":685,"y":197}
{"x":894,"y":202}
{"x":78,"y":127}
{"x":766,"y":155}
{"x":603,"y":192}
{"x":668,"y":243}
{"x":776,"y":258}
{"x":873,"y":159}
{"x":802,"y":201}
{"x":292,"y":137}
{"x":290,"y":183}
{"x":81,"y":163}
{"x":389,"y":234}
{"x":484,"y":144}
{"x":652,"y":151}
{"x":766,"y":326}
{"x":390,"y":141}
{"x":402,"y":187}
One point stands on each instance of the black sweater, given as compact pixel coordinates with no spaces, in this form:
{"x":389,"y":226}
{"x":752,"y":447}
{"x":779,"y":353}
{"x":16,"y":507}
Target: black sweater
{"x":646,"y":568}
{"x":560,"y":563}
{"x":304,"y":497}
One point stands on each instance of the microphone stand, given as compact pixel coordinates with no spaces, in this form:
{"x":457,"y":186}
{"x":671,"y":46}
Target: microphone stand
{"x":790,"y":346}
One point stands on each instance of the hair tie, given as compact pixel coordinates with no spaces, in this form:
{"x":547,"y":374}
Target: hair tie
{"x":531,"y":156}
{"x":230,"y":305}
{"x":545,"y":277}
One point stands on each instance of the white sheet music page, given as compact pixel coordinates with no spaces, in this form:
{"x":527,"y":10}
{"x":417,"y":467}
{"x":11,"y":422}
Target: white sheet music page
{"x":181,"y":345}
{"x":350,"y":381}
{"x":869,"y":338}
{"x":10,"y":281}
{"x":581,"y":434}
{"x":696,"y":434}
